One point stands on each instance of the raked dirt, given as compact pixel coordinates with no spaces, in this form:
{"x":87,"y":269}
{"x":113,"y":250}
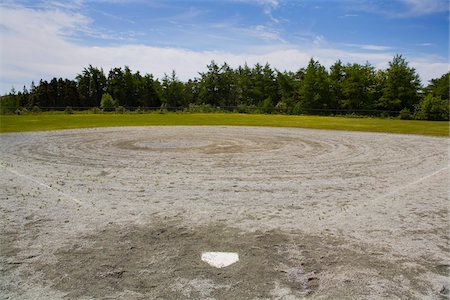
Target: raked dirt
{"x":126,"y":213}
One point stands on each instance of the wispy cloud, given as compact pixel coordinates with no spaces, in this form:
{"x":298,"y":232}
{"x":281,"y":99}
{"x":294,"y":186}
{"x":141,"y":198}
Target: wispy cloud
{"x":268,"y":7}
{"x":267,"y":33}
{"x":349,"y":16}
{"x":369,"y":47}
{"x":421,"y":7}
{"x":425,"y":44}
{"x":400,"y":8}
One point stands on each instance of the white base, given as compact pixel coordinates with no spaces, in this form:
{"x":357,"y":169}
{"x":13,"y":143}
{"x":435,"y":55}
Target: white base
{"x":220,"y":259}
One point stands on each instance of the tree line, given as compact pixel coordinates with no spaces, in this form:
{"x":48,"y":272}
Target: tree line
{"x":344,"y":88}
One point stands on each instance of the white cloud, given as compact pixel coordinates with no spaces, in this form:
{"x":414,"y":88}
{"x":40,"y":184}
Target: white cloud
{"x":397,"y":8}
{"x":421,"y":7}
{"x":269,"y":3}
{"x":268,"y":7}
{"x":369,"y":47}
{"x":39,"y":43}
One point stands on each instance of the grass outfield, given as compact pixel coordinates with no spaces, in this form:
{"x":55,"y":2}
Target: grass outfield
{"x":52,"y":121}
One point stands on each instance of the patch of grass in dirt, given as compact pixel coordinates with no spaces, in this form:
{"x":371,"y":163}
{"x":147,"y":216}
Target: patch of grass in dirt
{"x":52,"y":121}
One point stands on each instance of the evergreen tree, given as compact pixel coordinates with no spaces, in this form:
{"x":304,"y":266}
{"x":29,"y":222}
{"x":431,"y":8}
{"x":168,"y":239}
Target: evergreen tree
{"x":315,"y":87}
{"x":337,"y":75}
{"x":172,"y":91}
{"x":116,"y":85}
{"x":149,"y":92}
{"x":401,"y":86}
{"x":440,"y":87}
{"x":357,"y":86}
{"x":91,"y":86}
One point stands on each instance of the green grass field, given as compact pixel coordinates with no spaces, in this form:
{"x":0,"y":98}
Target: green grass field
{"x":52,"y":121}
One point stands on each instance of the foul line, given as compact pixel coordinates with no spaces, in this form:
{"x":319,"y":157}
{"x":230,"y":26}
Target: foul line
{"x":404,"y":187}
{"x":29,"y":178}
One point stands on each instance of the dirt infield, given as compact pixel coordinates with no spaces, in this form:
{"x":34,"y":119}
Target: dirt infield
{"x":125,"y":213}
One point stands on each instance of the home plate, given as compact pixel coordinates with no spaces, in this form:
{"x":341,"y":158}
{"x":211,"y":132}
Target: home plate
{"x":220,"y":259}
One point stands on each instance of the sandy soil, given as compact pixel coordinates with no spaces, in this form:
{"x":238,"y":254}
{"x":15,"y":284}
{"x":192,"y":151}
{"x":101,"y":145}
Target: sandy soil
{"x":125,"y":213}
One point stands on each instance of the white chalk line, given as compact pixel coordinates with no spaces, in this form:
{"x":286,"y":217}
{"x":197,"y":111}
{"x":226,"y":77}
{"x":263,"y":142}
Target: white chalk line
{"x":406,"y":186}
{"x":29,"y":178}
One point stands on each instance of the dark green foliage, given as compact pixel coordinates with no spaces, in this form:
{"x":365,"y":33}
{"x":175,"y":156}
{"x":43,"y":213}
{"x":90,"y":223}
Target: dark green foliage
{"x":9,"y":104}
{"x":96,"y":110}
{"x":267,"y":106}
{"x":91,"y":86}
{"x":68,"y":110}
{"x":405,"y":114}
{"x":120,"y":109}
{"x":343,"y":89}
{"x":21,"y":111}
{"x":171,"y":92}
{"x":315,"y":88}
{"x":440,"y":87}
{"x":36,"y":109}
{"x":202,"y":108}
{"x":400,"y":87}
{"x":357,"y":87}
{"x":132,"y":89}
{"x":281,"y":107}
{"x":297,"y":110}
{"x":433,"y":108}
{"x":220,"y":86}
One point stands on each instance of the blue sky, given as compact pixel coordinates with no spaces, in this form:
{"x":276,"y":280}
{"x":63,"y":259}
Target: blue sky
{"x":43,"y":39}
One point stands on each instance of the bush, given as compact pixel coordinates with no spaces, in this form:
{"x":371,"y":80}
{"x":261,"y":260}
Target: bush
{"x":68,"y":110}
{"x":202,"y":108}
{"x":120,"y":109}
{"x":405,"y":114}
{"x":21,"y":111}
{"x":9,"y":104}
{"x":35,"y":109}
{"x":384,"y":115}
{"x":108,"y":103}
{"x":267,"y":106}
{"x":248,"y":109}
{"x":242,"y":108}
{"x":139,"y":110}
{"x":281,"y":107}
{"x":96,"y":110}
{"x":297,"y":110}
{"x":433,"y":108}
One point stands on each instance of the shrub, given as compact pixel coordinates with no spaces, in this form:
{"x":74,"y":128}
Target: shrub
{"x":384,"y":115}
{"x":433,"y":108}
{"x":35,"y":109}
{"x":242,"y":108}
{"x":281,"y":107}
{"x":9,"y":104}
{"x":96,"y":110}
{"x":120,"y":109}
{"x":140,"y":110}
{"x":108,"y":103}
{"x":405,"y":114}
{"x":21,"y":111}
{"x":297,"y":110}
{"x":248,"y":109}
{"x":202,"y":108}
{"x":68,"y":110}
{"x":267,"y":106}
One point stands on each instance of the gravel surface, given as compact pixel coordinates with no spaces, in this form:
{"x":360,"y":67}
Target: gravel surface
{"x":125,"y":213}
